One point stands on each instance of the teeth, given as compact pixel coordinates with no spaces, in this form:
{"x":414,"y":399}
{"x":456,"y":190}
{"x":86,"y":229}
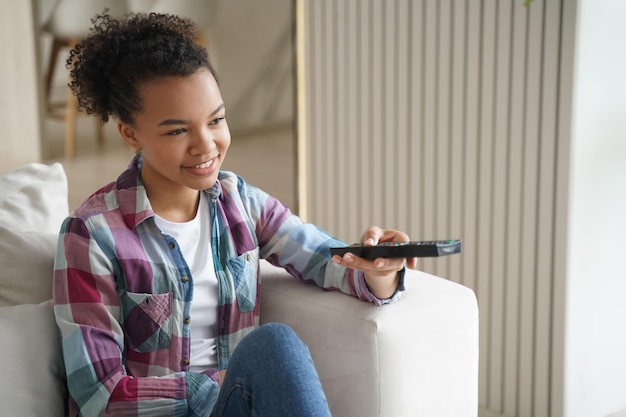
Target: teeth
{"x":204,"y":165}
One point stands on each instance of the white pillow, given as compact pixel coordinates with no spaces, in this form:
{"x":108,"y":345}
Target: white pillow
{"x":33,"y":197}
{"x":27,"y":260}
{"x":33,"y":203}
{"x":32,"y":376}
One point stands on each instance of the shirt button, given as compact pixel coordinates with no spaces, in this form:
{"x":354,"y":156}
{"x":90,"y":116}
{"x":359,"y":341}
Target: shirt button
{"x":185,"y":279}
{"x":187,"y":320}
{"x":172,"y":245}
{"x":185,"y":361}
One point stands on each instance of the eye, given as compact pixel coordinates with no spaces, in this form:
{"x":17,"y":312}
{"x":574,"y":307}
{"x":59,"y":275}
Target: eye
{"x":176,"y":132}
{"x":217,"y":121}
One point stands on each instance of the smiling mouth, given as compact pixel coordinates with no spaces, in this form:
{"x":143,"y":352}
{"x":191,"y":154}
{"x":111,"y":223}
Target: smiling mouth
{"x":204,"y":164}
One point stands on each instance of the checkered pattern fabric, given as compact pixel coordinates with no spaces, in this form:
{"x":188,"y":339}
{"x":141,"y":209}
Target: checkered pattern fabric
{"x":123,"y":293}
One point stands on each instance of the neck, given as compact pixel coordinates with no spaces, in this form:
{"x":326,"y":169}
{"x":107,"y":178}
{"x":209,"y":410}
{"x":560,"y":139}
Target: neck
{"x":175,"y":207}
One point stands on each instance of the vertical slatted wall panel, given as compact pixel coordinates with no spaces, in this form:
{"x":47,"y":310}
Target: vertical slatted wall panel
{"x":440,"y":117}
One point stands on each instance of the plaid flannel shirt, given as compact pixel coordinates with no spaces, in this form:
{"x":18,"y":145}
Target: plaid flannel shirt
{"x":123,"y":293}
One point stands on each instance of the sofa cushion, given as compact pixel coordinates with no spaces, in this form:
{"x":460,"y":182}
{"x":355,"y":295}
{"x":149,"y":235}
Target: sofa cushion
{"x":31,"y":370}
{"x":33,"y":197}
{"x":33,"y":203}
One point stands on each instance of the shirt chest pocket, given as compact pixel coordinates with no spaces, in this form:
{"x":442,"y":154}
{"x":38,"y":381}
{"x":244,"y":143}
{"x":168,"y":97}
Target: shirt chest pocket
{"x":243,"y":269}
{"x":148,"y":321}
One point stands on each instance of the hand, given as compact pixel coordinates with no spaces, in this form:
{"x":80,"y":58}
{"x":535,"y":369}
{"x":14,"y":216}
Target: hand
{"x":381,"y":274}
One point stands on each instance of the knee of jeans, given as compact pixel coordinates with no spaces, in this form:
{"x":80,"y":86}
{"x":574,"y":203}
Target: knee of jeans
{"x":277,"y":333}
{"x":276,"y":336}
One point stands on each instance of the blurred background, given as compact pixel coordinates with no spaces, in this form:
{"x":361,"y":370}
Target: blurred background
{"x":251,"y":46}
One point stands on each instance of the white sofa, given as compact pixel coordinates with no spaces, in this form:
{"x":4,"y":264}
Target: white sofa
{"x":417,"y":357}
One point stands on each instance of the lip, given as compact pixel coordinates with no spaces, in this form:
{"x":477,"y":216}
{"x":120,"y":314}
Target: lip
{"x":204,"y":168}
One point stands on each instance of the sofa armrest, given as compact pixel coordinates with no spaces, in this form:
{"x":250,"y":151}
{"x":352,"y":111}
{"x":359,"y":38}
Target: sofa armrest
{"x":416,"y":357}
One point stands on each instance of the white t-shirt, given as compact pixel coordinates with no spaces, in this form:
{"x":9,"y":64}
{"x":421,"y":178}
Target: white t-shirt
{"x":194,"y":240}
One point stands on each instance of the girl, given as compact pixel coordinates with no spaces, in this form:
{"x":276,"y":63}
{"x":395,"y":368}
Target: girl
{"x":156,"y":280}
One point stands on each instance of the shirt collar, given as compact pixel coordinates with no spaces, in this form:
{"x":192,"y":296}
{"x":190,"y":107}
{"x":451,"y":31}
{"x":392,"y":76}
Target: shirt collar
{"x":132,"y":198}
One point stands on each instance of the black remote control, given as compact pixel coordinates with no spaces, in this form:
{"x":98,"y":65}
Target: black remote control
{"x":414,"y":249}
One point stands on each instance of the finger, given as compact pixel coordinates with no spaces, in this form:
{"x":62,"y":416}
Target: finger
{"x":388,"y":264}
{"x":411,"y":263}
{"x":390,"y":235}
{"x":378,"y":265}
{"x":349,"y":260}
{"x":371,"y":236}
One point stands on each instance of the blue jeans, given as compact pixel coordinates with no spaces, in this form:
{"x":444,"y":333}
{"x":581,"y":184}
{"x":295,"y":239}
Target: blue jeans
{"x":271,"y":373}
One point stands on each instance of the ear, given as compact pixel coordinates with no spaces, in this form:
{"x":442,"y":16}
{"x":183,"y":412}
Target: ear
{"x":128,"y":134}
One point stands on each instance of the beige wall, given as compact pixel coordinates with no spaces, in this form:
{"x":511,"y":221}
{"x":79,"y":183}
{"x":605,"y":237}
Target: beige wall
{"x":442,"y":118}
{"x":501,"y":125}
{"x":253,"y":47}
{"x":19,"y":102}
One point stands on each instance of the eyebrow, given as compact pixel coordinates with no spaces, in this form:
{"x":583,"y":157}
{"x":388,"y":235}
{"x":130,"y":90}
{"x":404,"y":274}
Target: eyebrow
{"x":170,"y":122}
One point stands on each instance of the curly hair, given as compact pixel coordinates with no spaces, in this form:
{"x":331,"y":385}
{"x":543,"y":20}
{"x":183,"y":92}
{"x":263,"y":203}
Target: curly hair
{"x":109,"y":66}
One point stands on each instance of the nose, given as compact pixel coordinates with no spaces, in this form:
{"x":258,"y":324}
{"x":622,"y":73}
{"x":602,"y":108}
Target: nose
{"x":203,"y":142}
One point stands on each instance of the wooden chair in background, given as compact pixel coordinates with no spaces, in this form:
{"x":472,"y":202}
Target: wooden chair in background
{"x":67,"y":22}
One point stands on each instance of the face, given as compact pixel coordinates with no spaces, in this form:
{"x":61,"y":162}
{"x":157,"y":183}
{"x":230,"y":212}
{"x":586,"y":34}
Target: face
{"x":181,"y":132}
